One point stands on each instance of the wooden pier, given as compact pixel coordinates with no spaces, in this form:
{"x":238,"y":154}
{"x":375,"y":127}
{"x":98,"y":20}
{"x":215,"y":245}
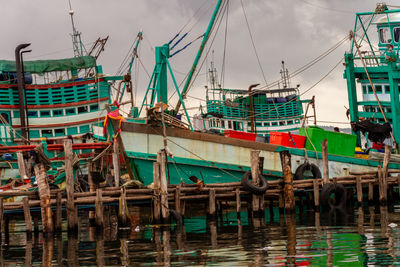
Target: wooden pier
{"x":171,"y":201}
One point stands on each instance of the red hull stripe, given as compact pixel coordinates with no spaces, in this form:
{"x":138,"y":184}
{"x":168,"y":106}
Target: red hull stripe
{"x":57,"y":105}
{"x":53,"y":85}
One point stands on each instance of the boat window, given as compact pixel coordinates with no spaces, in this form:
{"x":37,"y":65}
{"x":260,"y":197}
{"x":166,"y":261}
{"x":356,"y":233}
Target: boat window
{"x":258,"y":124}
{"x":16,"y":114}
{"x":46,"y":133}
{"x":370,"y":91}
{"x":274,"y":123}
{"x":387,"y":89}
{"x":229,"y":125}
{"x":378,"y":89}
{"x":281,"y":123}
{"x":72,"y":130}
{"x":94,"y":107}
{"x":57,"y":112}
{"x":384,"y":36}
{"x":297,"y":121}
{"x":289,"y":122}
{"x":364,"y":89}
{"x":70,"y":111}
{"x":396,"y":34}
{"x":45,"y":113}
{"x":59,"y":132}
{"x":266,"y":124}
{"x":82,"y":109}
{"x":6,"y":118}
{"x":388,"y":109}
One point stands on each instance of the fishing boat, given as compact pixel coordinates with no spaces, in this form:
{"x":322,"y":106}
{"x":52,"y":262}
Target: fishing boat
{"x":48,"y":101}
{"x":259,"y":111}
{"x":213,"y":158}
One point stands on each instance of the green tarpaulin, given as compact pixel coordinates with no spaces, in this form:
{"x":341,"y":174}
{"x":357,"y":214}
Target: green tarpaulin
{"x":42,"y":66}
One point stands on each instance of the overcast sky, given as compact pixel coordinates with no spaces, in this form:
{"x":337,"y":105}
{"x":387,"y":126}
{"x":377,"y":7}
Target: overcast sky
{"x":296,"y":31}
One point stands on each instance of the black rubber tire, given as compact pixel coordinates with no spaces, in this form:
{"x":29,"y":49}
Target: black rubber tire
{"x":339,"y":193}
{"x":299,"y":174}
{"x":250,"y":187}
{"x":177,"y":216}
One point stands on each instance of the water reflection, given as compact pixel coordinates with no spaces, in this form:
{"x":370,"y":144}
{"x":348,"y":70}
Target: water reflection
{"x":364,"y":236}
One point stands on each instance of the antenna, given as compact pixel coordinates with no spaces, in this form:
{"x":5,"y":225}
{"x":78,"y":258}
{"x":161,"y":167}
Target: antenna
{"x":79,"y":48}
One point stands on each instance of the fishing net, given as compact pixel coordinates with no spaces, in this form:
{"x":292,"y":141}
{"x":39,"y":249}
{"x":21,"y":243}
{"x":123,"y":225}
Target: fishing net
{"x":376,"y":132}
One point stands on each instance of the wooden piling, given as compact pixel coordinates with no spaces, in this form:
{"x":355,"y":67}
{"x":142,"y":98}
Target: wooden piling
{"x":27,"y":215}
{"x":370,"y":193}
{"x":92,"y":188}
{"x":254,"y":163}
{"x":163,"y":186}
{"x":288,"y":181}
{"x":211,"y":204}
{"x":325,"y":164}
{"x":44,"y":194}
{"x":21,"y":165}
{"x":99,"y":209}
{"x":238,"y":204}
{"x":382,"y":195}
{"x":316,"y":193}
{"x":115,"y":157}
{"x":71,"y":215}
{"x":178,"y":198}
{"x":384,"y":176}
{"x":156,"y":193}
{"x":123,"y":207}
{"x":59,"y":212}
{"x":359,"y":190}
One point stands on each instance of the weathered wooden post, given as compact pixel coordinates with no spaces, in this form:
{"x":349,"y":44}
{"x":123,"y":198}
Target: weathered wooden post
{"x":211,"y":204}
{"x":288,"y":181}
{"x":21,"y":165}
{"x":325,"y":164}
{"x":370,"y":193}
{"x":254,"y":163}
{"x":92,"y":188}
{"x":384,"y":175}
{"x":163,"y":185}
{"x":59,"y":212}
{"x":316,"y":194}
{"x":156,"y":193}
{"x":238,"y":204}
{"x":44,"y":195}
{"x":123,"y":208}
{"x":27,"y":216}
{"x":99,"y":210}
{"x":71,"y":212}
{"x":178,"y":198}
{"x":115,"y":157}
{"x":359,"y":190}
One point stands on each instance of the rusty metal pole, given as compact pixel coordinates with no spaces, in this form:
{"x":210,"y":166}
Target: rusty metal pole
{"x":251,"y":107}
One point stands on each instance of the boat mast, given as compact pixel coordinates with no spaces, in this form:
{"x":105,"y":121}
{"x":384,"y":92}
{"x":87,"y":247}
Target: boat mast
{"x":199,"y":53}
{"x":79,"y":48}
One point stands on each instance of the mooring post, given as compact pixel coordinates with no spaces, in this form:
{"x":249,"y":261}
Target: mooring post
{"x":254,"y":163}
{"x":27,"y":216}
{"x":178,"y":198}
{"x":316,"y":193}
{"x":44,"y":195}
{"x":92,"y":188}
{"x":21,"y":165}
{"x":359,"y":190}
{"x":325,"y":164}
{"x":238,"y":204}
{"x":123,"y":207}
{"x":384,"y":173}
{"x":115,"y":157}
{"x":99,"y":210}
{"x":156,"y":193}
{"x":211,"y":204}
{"x":370,"y":193}
{"x":163,"y":185}
{"x":59,"y":212}
{"x":71,"y":215}
{"x":288,"y":181}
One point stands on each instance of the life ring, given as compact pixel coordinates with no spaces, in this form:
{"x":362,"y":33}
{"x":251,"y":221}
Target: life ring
{"x":339,"y":193}
{"x":299,"y":174}
{"x":177,"y":216}
{"x":250,"y":187}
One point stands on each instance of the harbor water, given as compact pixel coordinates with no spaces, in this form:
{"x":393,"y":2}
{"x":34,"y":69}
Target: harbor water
{"x":355,"y":237}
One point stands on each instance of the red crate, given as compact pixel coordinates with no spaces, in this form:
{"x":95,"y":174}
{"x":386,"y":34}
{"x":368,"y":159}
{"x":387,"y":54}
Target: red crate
{"x":240,"y":135}
{"x":287,"y":139}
